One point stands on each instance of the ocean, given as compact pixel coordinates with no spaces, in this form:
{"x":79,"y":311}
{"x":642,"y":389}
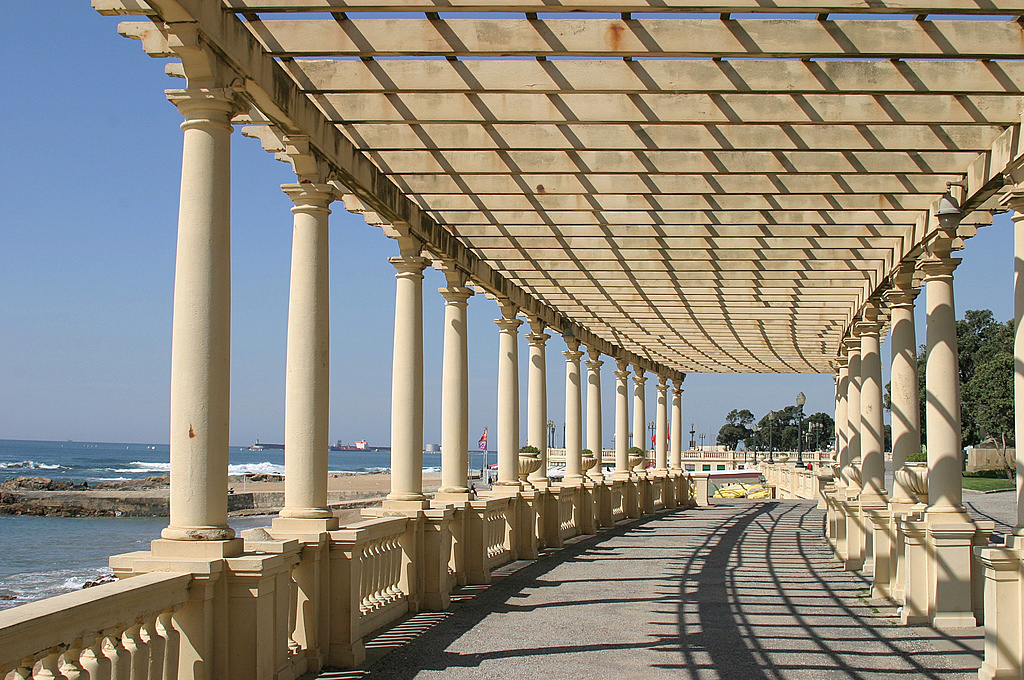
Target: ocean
{"x":45,"y":556}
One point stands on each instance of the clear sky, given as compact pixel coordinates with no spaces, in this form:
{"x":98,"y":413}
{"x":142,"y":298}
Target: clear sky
{"x":89,"y":179}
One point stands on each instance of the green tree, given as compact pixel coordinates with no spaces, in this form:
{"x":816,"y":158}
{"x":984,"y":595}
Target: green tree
{"x":737,"y":428}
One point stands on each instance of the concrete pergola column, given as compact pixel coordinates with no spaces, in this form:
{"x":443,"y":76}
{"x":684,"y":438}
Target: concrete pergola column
{"x":872,"y":433}
{"x":508,"y":396}
{"x":842,"y":418}
{"x":537,"y":406}
{"x":622,"y":470}
{"x":307,"y":379}
{"x":906,"y":425}
{"x":639,"y":408}
{"x":853,"y":411}
{"x":455,"y":384}
{"x":942,"y":380}
{"x":661,"y":425}
{"x":201,"y":326}
{"x":675,"y":459}
{"x":573,"y":413}
{"x":594,"y":424}
{"x":1014,"y":200}
{"x":407,"y":378}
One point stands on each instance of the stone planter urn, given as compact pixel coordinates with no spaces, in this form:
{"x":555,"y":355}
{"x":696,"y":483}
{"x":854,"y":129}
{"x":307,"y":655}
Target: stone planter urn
{"x":914,"y":478}
{"x":636,"y":461}
{"x":781,"y":457}
{"x":589,"y":461}
{"x":851,"y":475}
{"x":529,"y":462}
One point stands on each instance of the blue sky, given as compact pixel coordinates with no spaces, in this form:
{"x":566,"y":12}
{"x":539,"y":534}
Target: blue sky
{"x":89,"y":177}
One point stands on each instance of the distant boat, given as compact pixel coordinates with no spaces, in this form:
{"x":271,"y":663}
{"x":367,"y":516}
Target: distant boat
{"x":263,"y":447}
{"x":358,"y":446}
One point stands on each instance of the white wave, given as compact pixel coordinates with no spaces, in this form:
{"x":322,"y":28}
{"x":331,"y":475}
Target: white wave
{"x":264,"y":467}
{"x":156,"y":467}
{"x":29,"y":465}
{"x":32,"y":586}
{"x":431,"y":469}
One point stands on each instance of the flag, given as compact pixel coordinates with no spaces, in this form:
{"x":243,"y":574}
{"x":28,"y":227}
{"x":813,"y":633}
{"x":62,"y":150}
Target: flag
{"x":483,"y":441}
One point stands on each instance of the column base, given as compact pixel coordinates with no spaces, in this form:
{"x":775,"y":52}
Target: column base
{"x":167,"y":548}
{"x":403,"y":506}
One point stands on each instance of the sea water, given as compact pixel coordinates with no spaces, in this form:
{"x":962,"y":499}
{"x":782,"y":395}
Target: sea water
{"x":45,"y":556}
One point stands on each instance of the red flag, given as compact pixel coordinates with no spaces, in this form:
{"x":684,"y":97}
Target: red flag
{"x":483,"y":441}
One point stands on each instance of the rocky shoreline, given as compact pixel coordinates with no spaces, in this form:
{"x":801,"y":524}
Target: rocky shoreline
{"x":150,"y":496}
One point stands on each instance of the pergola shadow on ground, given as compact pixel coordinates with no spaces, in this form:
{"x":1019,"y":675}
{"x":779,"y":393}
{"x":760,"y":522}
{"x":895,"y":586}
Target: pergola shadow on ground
{"x":741,"y":589}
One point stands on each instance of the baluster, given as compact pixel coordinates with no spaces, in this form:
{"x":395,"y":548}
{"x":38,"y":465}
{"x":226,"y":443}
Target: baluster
{"x":156,"y":649}
{"x":366,"y":579}
{"x":383,"y":568}
{"x":138,"y":651}
{"x":294,"y":647}
{"x":51,"y":666}
{"x":94,"y":661}
{"x":24,"y":671}
{"x":72,"y":668}
{"x":120,"y":659}
{"x":172,"y":643}
{"x":395,"y":576}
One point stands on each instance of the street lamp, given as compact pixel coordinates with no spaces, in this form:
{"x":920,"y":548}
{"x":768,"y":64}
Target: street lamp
{"x":755,"y":448}
{"x":693,"y":431}
{"x":771,"y":429}
{"x":800,"y":401}
{"x":551,"y":433}
{"x":650,"y":432}
{"x":702,"y":435}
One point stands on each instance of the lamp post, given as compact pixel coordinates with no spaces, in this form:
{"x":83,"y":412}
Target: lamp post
{"x":551,"y":433}
{"x":693,"y":431}
{"x":651,"y":425}
{"x":702,"y":435}
{"x":771,"y":429}
{"x":755,"y":448}
{"x":800,"y":401}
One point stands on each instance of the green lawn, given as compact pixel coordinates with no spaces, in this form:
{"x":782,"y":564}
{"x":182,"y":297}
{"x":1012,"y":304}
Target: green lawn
{"x":987,"y":484}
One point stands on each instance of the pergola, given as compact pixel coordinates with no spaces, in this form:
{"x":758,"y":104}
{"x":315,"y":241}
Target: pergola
{"x":708,"y":187}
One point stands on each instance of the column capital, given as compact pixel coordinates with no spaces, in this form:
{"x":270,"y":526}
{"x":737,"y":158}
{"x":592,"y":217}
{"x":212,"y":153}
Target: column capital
{"x":207,"y":106}
{"x":1013,"y":199}
{"x":508,"y":325}
{"x":595,"y":355}
{"x":678,"y":391}
{"x":662,"y":382}
{"x":456,"y":295}
{"x":867,"y":327}
{"x":852,"y":344}
{"x":639,"y":371}
{"x":594,"y":364}
{"x":537,"y":339}
{"x":310,"y":197}
{"x":622,"y":365}
{"x":937,"y":267}
{"x":572,"y":356}
{"x":409,"y":265}
{"x":842,"y":363}
{"x":639,"y":380}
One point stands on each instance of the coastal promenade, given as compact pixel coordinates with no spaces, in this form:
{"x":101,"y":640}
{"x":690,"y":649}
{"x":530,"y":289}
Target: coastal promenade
{"x":740,"y":589}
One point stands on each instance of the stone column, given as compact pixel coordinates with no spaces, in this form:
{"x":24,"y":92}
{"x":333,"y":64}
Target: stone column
{"x":455,"y":385}
{"x":906,"y":426}
{"x":639,"y":408}
{"x":537,"y":408}
{"x":407,"y":380}
{"x":594,"y":424}
{"x":676,"y":450}
{"x":622,"y":470}
{"x":201,"y":327}
{"x":842,"y":417}
{"x":872,"y":435}
{"x":942,"y":378}
{"x":1015,"y":202}
{"x":853,"y":416}
{"x":661,"y":426}
{"x":508,"y":397}
{"x":307,"y":389}
{"x":573,"y":413}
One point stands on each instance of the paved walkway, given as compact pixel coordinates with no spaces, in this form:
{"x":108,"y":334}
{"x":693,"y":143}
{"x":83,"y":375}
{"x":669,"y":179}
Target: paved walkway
{"x":741,"y":590}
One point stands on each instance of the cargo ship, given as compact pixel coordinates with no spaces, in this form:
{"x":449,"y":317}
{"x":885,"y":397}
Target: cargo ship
{"x":358,"y":446}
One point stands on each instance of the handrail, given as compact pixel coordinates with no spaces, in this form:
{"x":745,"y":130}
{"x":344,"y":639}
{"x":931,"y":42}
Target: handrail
{"x":43,"y":630}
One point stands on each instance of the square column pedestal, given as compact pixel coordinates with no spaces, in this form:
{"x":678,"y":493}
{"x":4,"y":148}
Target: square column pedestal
{"x":944,"y":583}
{"x":526,"y":506}
{"x":836,"y":515}
{"x":890,"y":549}
{"x":1004,"y":611}
{"x":603,"y":503}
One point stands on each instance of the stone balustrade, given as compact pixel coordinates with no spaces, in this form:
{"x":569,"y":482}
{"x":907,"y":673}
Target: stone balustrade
{"x":116,"y":630}
{"x":300,"y":595}
{"x":792,"y":482}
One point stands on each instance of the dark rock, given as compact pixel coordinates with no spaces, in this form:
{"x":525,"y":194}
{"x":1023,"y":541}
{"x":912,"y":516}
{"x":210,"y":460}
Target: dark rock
{"x":35,"y":484}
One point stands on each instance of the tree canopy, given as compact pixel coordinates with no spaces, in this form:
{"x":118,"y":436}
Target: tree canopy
{"x":781,"y":433}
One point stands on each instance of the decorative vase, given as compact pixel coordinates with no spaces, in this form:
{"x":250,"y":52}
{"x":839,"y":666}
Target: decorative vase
{"x":914,"y":478}
{"x":528,"y":464}
{"x":635,"y":461}
{"x":589,"y":461}
{"x":781,"y":457}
